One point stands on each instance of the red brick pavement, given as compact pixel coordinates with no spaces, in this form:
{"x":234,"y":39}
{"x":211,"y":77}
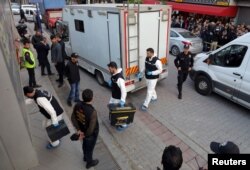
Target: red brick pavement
{"x":169,"y":138}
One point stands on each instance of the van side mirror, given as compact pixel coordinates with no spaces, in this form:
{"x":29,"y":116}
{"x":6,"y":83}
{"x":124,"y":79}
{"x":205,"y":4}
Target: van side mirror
{"x":210,"y":59}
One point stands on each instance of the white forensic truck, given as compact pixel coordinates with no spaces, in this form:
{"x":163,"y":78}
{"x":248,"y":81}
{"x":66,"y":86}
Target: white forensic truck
{"x":101,"y":33}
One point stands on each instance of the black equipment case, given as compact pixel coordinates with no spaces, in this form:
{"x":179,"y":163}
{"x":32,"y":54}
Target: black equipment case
{"x":56,"y":133}
{"x":121,"y":115}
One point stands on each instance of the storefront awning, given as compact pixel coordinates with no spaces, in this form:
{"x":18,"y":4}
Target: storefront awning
{"x":229,"y":11}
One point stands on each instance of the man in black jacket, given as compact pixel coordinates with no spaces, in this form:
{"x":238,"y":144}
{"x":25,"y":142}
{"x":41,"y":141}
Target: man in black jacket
{"x":57,"y":58}
{"x":184,"y":63}
{"x":84,"y":119}
{"x":42,"y":49}
{"x":36,"y":40}
{"x":48,"y":106}
{"x":72,"y":72}
{"x":60,"y":41}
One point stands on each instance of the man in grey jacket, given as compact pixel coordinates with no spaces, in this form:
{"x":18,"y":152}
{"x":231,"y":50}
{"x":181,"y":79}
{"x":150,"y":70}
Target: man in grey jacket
{"x":57,"y":58}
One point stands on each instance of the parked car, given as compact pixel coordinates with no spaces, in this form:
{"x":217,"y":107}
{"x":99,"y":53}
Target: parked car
{"x":15,"y":9}
{"x":29,"y":13}
{"x":225,"y":71}
{"x":179,"y":37}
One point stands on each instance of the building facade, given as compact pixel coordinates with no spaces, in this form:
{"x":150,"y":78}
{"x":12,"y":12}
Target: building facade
{"x":16,"y":149}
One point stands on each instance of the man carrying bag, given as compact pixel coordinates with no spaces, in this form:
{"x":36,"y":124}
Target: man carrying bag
{"x":51,"y":109}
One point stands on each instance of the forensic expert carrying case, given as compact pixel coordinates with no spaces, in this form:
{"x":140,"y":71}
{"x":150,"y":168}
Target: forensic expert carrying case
{"x":56,"y":133}
{"x":121,"y":115}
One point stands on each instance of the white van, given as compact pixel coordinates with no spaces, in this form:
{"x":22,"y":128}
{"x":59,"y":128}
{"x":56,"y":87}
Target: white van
{"x":30,"y":10}
{"x":225,"y":71}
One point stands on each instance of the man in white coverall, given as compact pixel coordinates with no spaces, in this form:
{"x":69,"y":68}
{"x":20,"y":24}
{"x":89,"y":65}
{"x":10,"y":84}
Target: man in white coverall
{"x":153,"y":68}
{"x":117,"y":84}
{"x":48,"y":106}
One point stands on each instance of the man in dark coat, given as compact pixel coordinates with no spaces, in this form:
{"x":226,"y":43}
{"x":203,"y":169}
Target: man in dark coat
{"x":84,"y":119}
{"x":57,"y":58}
{"x":37,"y":39}
{"x":42,"y":52}
{"x":72,"y":72}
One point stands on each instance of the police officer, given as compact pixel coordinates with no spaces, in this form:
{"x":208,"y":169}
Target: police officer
{"x":28,"y":62}
{"x":153,"y":68}
{"x":117,"y":85}
{"x":84,"y":119}
{"x":184,"y":63}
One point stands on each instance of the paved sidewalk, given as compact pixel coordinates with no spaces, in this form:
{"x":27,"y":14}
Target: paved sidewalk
{"x":143,"y":142}
{"x":68,"y":156}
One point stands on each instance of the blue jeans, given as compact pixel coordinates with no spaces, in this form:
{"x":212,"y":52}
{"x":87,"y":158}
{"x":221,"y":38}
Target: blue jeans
{"x":74,"y":92}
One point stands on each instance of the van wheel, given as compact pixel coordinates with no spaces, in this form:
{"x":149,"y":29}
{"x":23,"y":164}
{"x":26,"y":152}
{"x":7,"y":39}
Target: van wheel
{"x":203,"y":85}
{"x":175,"y":50}
{"x":99,"y":78}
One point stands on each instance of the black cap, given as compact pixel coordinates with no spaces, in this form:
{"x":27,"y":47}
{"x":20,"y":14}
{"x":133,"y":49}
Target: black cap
{"x":186,"y":46}
{"x":74,"y":55}
{"x":52,"y":36}
{"x":224,"y":148}
{"x":27,"y":89}
{"x":112,"y":64}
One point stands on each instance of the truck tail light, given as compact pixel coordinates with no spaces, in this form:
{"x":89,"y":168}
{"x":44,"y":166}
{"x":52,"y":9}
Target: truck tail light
{"x":187,"y":43}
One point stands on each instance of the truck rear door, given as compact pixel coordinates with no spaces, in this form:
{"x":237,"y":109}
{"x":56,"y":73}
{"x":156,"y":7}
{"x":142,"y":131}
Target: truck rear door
{"x":114,"y":38}
{"x":153,"y":32}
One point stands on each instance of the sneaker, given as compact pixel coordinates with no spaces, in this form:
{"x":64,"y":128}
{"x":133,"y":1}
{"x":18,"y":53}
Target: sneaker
{"x":144,"y":108}
{"x":121,"y":127}
{"x":180,"y":96}
{"x":37,"y":86}
{"x":153,"y":100}
{"x":69,"y":103}
{"x":49,"y":146}
{"x":92,"y":163}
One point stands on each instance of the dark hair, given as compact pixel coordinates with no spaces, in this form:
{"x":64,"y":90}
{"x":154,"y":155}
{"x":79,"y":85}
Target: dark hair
{"x":150,"y":50}
{"x":58,"y":35}
{"x":52,"y":36}
{"x":26,"y":41}
{"x":27,"y":89}
{"x":112,"y":64}
{"x":87,"y":95}
{"x":172,"y":158}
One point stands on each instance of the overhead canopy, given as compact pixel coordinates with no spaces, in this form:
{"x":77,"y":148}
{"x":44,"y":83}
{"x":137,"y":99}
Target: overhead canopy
{"x":229,"y":11}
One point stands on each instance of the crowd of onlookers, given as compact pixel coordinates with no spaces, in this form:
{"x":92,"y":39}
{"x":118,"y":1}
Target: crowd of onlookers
{"x":214,"y":31}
